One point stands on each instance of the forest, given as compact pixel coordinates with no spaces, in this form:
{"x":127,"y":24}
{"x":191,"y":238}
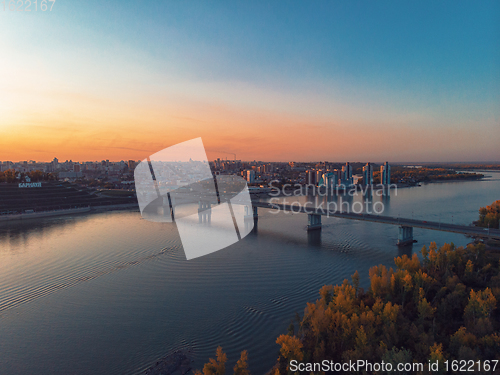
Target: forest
{"x":465,"y":166}
{"x":443,"y":307}
{"x":10,"y":176}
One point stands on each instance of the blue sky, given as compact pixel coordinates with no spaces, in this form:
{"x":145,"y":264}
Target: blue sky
{"x":430,"y":66}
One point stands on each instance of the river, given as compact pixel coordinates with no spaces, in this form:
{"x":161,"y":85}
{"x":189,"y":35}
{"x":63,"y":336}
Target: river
{"x":111,"y":293}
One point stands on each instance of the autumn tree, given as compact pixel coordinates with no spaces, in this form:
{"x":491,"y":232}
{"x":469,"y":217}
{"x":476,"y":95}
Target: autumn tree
{"x":215,"y":366}
{"x":443,"y":307}
{"x":481,"y":304}
{"x":489,"y":216}
{"x":241,"y":367}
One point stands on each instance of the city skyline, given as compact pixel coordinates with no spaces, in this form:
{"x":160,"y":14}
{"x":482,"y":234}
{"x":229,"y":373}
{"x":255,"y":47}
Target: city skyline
{"x":229,"y":160}
{"x":322,"y":81}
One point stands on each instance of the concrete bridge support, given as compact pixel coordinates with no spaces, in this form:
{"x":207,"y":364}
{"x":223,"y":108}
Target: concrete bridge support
{"x":166,"y":209}
{"x":204,"y":212}
{"x":314,"y":222}
{"x":405,"y":236}
{"x":251,"y":213}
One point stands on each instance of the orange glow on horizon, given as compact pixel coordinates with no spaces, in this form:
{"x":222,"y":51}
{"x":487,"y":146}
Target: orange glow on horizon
{"x":86,"y":128}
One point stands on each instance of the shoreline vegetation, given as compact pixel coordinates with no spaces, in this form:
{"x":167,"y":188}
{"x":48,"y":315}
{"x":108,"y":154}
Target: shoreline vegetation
{"x":443,"y":307}
{"x":401,"y":174}
{"x":465,"y":166}
{"x":489,"y":216}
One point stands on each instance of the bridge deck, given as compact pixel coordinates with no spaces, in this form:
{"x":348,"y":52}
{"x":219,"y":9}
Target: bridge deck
{"x":445,"y":227}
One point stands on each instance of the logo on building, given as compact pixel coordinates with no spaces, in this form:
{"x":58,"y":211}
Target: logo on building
{"x":177,"y":185}
{"x":28,"y":184}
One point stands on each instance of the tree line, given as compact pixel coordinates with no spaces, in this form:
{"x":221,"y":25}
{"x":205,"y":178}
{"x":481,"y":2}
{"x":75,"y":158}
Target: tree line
{"x":444,"y":307}
{"x":489,"y":216}
{"x":428,"y":174}
{"x":10,"y":176}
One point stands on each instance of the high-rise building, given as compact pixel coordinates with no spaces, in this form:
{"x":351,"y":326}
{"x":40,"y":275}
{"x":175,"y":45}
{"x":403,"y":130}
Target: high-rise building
{"x":347,"y":171}
{"x":330,"y":180}
{"x":250,"y":176}
{"x":368,"y":174}
{"x":385,"y":174}
{"x":319,"y":176}
{"x":346,"y":175}
{"x":311,"y":177}
{"x":337,"y":177}
{"x":131,"y":165}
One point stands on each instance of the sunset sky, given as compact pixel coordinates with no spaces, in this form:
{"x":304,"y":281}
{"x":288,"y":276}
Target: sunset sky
{"x":277,"y":81}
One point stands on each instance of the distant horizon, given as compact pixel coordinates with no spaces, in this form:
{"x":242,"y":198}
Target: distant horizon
{"x":272,"y":161}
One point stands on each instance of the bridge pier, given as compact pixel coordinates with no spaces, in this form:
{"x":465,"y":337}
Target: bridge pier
{"x":166,"y":209}
{"x":251,"y":214}
{"x":204,"y":212}
{"x":405,"y":236}
{"x":314,"y":222}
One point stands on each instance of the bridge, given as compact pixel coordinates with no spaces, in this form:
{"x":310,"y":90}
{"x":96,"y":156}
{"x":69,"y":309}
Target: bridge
{"x":314,"y":214}
{"x":405,"y":225}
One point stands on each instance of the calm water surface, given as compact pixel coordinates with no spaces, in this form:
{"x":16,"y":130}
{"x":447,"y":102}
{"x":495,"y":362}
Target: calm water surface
{"x":111,"y":293}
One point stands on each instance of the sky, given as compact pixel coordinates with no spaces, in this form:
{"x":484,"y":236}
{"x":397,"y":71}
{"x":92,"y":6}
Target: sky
{"x":275,"y":81}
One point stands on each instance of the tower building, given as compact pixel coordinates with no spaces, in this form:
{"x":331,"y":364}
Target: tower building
{"x":368,"y":174}
{"x":385,"y":174}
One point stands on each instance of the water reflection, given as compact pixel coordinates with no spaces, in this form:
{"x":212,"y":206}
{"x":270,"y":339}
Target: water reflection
{"x":314,"y":238}
{"x":42,"y":226}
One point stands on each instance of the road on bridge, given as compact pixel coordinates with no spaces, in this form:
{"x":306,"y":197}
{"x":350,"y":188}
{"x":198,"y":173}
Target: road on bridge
{"x":432,"y":225}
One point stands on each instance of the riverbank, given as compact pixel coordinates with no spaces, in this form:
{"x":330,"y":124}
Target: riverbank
{"x":71,"y":211}
{"x":453,"y":180}
{"x":37,"y":215}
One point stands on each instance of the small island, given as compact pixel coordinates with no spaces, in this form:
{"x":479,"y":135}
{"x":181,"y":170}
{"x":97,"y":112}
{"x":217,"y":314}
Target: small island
{"x":413,"y":175}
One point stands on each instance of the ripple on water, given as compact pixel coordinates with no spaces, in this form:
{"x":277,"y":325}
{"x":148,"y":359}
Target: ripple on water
{"x":66,"y":257}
